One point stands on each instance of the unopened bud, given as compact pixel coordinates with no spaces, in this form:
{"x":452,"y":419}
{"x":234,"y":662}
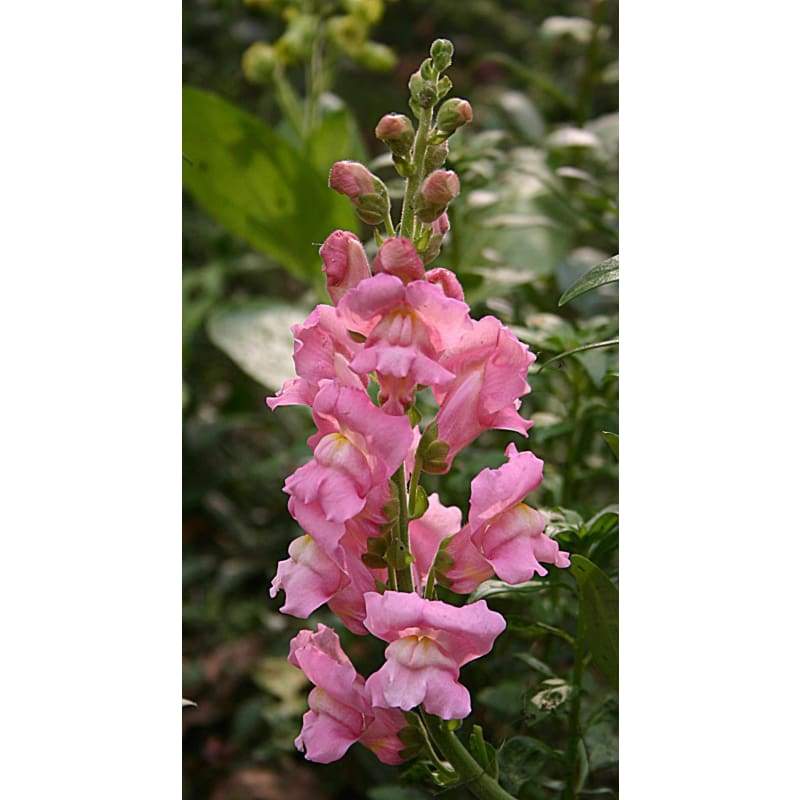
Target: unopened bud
{"x":423,"y":92}
{"x":344,"y":263}
{"x":453,"y":113}
{"x":447,"y":280}
{"x":259,"y":62}
{"x":433,"y":245}
{"x":437,"y":190}
{"x":396,"y":131}
{"x":367,"y":192}
{"x":398,"y":256}
{"x":442,"y":54}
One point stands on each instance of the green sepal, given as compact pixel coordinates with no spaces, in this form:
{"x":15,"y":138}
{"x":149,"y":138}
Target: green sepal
{"x":419,"y":504}
{"x":357,"y":337}
{"x":414,"y":416}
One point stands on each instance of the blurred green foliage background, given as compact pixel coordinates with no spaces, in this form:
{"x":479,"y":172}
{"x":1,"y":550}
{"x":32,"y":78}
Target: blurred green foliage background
{"x":538,"y":209}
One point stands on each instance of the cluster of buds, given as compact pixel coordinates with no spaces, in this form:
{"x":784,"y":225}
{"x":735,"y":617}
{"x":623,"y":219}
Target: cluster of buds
{"x":344,"y":26}
{"x":375,"y":545}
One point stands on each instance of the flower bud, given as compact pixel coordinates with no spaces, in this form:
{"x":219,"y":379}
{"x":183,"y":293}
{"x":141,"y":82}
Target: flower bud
{"x":423,"y":92}
{"x":447,"y":280}
{"x":367,"y":192}
{"x":442,"y":54}
{"x":432,"y":247}
{"x":344,"y":263}
{"x":453,"y":113}
{"x":259,"y":62}
{"x":397,"y":132}
{"x":437,"y":190}
{"x":398,"y":256}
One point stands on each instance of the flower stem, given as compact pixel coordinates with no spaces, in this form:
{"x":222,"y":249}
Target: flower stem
{"x":413,"y":182}
{"x":572,"y":756}
{"x":405,"y":581}
{"x":473,"y":776}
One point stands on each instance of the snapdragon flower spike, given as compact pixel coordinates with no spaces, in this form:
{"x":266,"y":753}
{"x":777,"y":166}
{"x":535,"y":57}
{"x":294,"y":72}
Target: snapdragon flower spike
{"x":491,"y":368}
{"x":397,"y":256}
{"x":407,"y":328}
{"x":323,"y":350}
{"x":429,"y":642}
{"x":427,"y":533}
{"x":509,"y":534}
{"x":340,"y":713}
{"x":344,"y":263}
{"x":357,"y":447}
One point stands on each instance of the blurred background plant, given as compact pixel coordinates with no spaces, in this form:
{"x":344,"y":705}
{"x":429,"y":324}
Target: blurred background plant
{"x":275,"y":92}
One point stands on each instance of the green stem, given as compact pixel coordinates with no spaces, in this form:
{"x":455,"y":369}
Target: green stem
{"x":389,"y":224}
{"x":413,"y":182}
{"x":405,"y":581}
{"x":472,"y":775}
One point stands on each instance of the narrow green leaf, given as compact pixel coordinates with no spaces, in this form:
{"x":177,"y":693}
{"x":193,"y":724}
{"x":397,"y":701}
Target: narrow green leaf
{"x":581,"y":349}
{"x":494,"y":588}
{"x":612,"y":440}
{"x":600,"y":274}
{"x":258,"y":185}
{"x":599,"y":607}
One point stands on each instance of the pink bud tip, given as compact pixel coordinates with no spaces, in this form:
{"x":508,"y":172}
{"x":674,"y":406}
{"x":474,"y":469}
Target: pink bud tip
{"x":344,"y":262}
{"x":440,"y":187}
{"x":351,"y":178}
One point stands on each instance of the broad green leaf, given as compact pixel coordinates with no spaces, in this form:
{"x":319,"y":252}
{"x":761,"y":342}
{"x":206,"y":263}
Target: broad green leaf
{"x":605,"y":272}
{"x":520,"y":759}
{"x":612,"y":440}
{"x":258,"y":185}
{"x":336,"y":138}
{"x":599,"y":607}
{"x":258,"y":338}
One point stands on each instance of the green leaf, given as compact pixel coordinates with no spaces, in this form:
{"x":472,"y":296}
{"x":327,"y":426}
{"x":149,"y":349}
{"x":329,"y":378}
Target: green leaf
{"x":335,"y":138}
{"x":520,"y":759}
{"x":535,"y":663}
{"x":612,"y":440}
{"x":258,"y":338}
{"x":582,"y":349}
{"x":495,"y":588}
{"x":482,"y":751}
{"x":419,"y":504}
{"x":258,"y":185}
{"x":599,"y":608}
{"x":600,"y":274}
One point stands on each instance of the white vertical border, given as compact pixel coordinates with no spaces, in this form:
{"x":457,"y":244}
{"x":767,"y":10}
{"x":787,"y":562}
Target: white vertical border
{"x":710,"y":302}
{"x":90,"y":327}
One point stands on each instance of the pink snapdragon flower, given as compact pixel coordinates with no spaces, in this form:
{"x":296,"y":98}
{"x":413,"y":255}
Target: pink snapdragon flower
{"x":407,"y":327}
{"x":357,"y":448}
{"x":322,"y":351}
{"x":398,"y":256}
{"x":351,"y":179}
{"x":340,"y":713}
{"x":447,"y":280}
{"x":429,"y":642}
{"x":491,"y":368}
{"x":428,"y":532}
{"x":344,"y":263}
{"x":309,"y":578}
{"x":508,"y":533}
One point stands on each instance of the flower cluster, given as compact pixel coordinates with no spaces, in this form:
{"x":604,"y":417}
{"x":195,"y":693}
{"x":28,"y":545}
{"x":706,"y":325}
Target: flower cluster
{"x":374,"y":545}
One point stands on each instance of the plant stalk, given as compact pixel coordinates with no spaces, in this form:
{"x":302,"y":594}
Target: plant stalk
{"x":412,"y":183}
{"x":473,"y":776}
{"x":405,"y":581}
